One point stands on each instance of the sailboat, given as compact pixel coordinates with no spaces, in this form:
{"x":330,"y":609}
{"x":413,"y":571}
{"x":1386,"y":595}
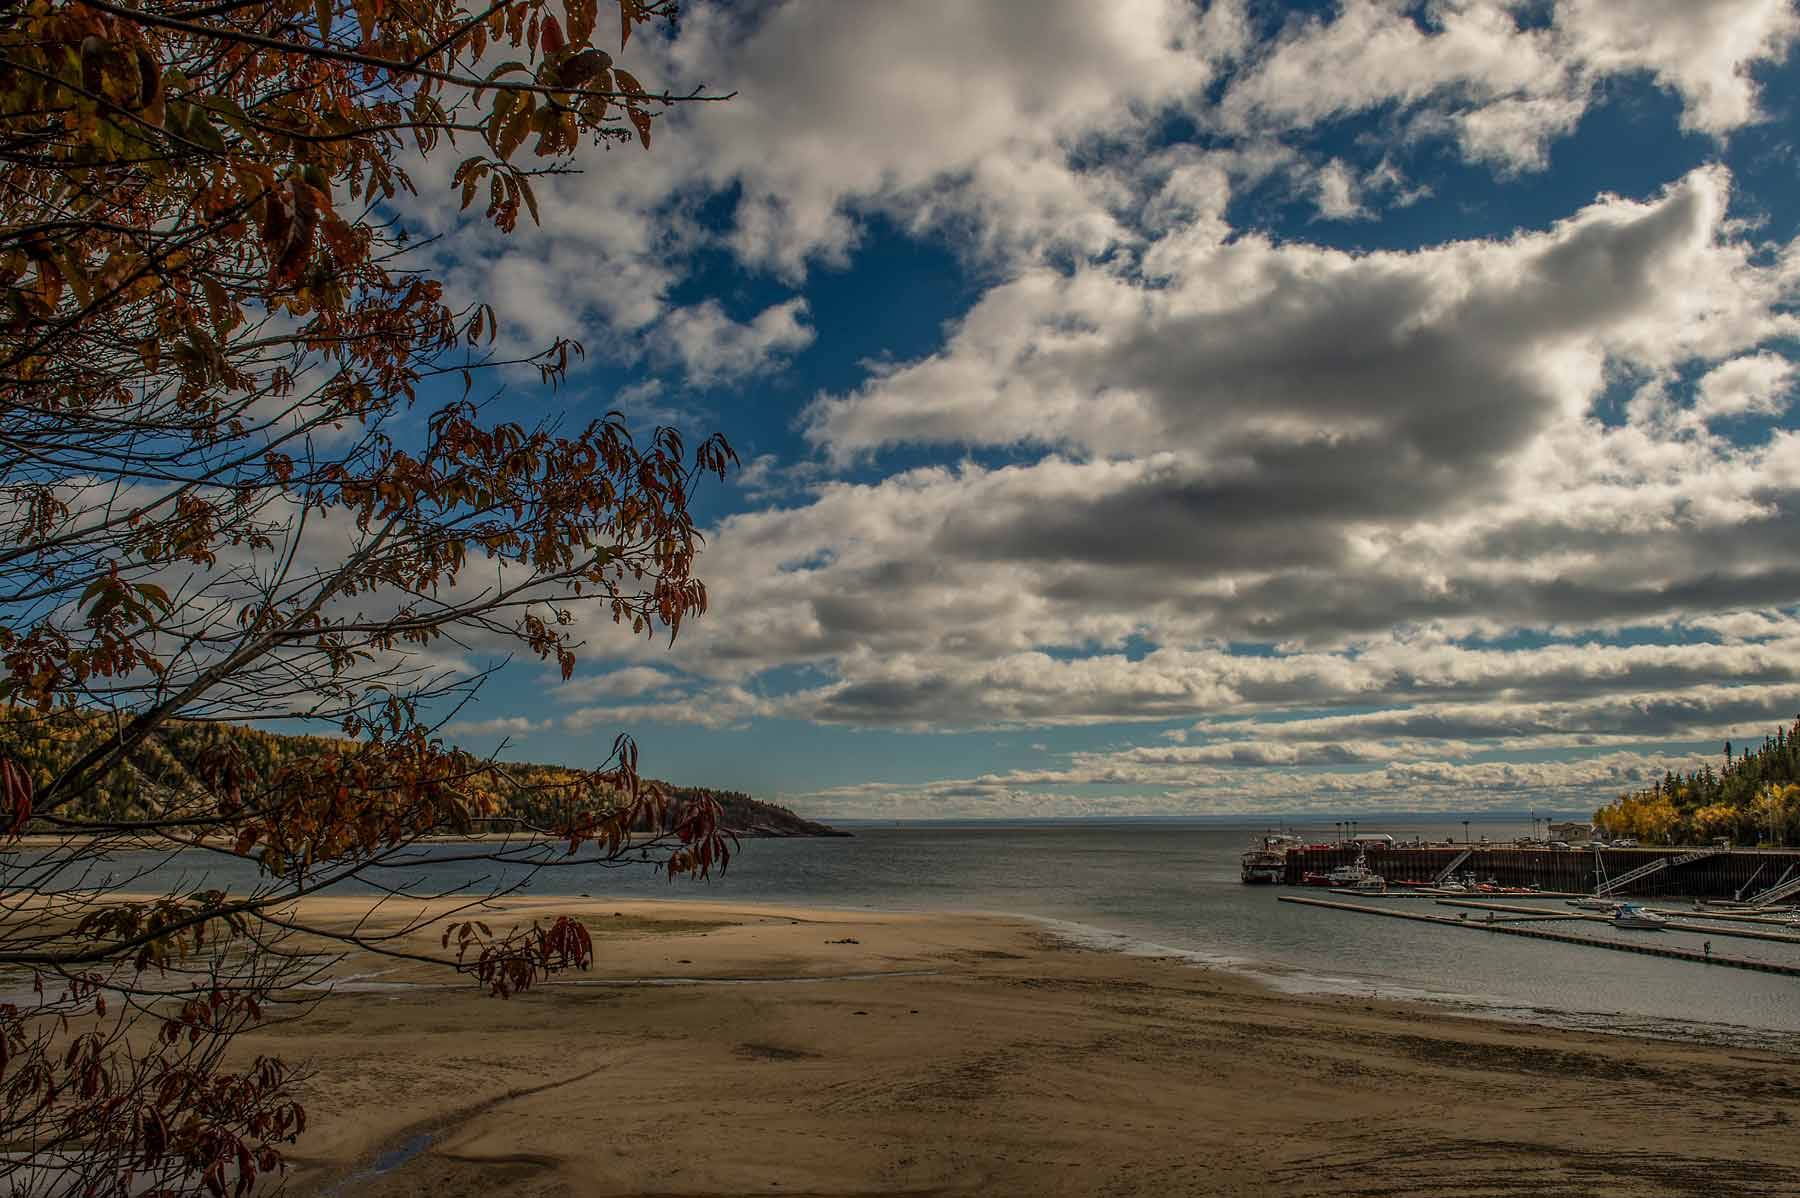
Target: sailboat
{"x":1596,"y":902}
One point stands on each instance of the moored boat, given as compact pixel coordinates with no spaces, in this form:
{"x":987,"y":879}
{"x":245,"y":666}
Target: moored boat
{"x":1356,"y":876}
{"x":1262,"y":866}
{"x":1266,"y":863}
{"x":1629,"y":915}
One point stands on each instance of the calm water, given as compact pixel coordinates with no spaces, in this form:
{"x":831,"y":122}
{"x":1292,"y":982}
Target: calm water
{"x":1175,"y":888}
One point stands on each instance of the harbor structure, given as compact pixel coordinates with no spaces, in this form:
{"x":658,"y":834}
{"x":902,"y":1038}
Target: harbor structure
{"x":1573,"y":832}
{"x":1710,"y":872}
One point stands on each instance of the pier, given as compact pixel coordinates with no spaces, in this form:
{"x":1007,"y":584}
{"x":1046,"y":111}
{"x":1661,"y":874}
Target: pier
{"x":1500,"y":928}
{"x":1677,"y":924}
{"x":1638,"y":873}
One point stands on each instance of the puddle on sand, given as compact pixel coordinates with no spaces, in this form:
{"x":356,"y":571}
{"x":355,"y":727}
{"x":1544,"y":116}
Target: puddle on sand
{"x":383,"y":1164}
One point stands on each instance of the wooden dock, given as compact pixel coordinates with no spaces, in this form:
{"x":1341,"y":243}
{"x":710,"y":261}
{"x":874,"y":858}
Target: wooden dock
{"x":1773,"y":921}
{"x":1674,"y":925}
{"x":1508,"y":929}
{"x":1432,"y":892}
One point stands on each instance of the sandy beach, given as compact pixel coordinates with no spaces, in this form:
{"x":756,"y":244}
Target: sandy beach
{"x":733,"y":1050}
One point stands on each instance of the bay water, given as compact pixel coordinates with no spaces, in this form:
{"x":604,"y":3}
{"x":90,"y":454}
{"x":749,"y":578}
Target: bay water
{"x":1172,"y":889}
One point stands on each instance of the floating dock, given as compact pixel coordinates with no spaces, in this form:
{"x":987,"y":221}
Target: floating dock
{"x":1499,"y":928}
{"x":1432,"y":892}
{"x":1774,"y":921}
{"x":1674,"y":925}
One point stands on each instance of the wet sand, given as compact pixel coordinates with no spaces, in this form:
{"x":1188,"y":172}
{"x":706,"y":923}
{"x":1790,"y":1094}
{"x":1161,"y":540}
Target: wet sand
{"x":734,"y":1050}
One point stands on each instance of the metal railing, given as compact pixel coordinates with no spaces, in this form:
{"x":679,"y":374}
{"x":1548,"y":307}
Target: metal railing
{"x":1455,"y":864}
{"x":1785,"y":888}
{"x":1657,"y":866}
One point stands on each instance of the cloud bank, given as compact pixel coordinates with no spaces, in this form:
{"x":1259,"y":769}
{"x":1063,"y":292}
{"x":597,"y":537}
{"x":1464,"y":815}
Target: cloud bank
{"x":1480,"y":517}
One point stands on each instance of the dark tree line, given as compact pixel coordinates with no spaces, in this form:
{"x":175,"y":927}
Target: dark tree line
{"x":175,"y":759}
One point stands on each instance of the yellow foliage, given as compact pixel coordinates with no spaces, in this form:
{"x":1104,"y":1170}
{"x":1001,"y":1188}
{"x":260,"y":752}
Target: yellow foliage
{"x":1716,"y":819}
{"x":1646,"y":816}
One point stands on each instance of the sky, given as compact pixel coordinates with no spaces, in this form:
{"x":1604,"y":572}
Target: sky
{"x":1172,"y":408}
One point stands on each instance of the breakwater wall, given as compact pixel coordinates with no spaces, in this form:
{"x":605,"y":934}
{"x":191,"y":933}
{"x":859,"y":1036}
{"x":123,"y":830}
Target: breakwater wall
{"x":1718,"y":875}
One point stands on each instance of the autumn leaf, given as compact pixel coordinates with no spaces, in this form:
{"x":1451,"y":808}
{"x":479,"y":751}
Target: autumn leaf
{"x":220,"y":338}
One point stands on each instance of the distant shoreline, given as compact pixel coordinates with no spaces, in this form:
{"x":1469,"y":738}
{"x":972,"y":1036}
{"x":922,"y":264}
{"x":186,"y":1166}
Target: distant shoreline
{"x":1221,"y":821}
{"x":49,"y":840}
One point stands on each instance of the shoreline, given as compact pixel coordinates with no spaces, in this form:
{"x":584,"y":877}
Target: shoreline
{"x":1280,"y":978}
{"x":1276,"y":978}
{"x":829,"y":1051}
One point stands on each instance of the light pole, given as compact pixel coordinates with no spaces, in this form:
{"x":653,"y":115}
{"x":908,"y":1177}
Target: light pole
{"x":1465,"y":831}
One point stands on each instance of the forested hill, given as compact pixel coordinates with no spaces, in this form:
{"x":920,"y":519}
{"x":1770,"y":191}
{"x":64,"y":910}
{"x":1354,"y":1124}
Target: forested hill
{"x":753,"y":817}
{"x":1752,"y":798}
{"x":168,"y":762}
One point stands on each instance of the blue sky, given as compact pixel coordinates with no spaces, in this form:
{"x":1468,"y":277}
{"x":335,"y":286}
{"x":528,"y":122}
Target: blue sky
{"x":1180,"y":408}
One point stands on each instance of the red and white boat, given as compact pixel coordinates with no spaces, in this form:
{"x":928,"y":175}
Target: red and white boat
{"x":1356,"y":876}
